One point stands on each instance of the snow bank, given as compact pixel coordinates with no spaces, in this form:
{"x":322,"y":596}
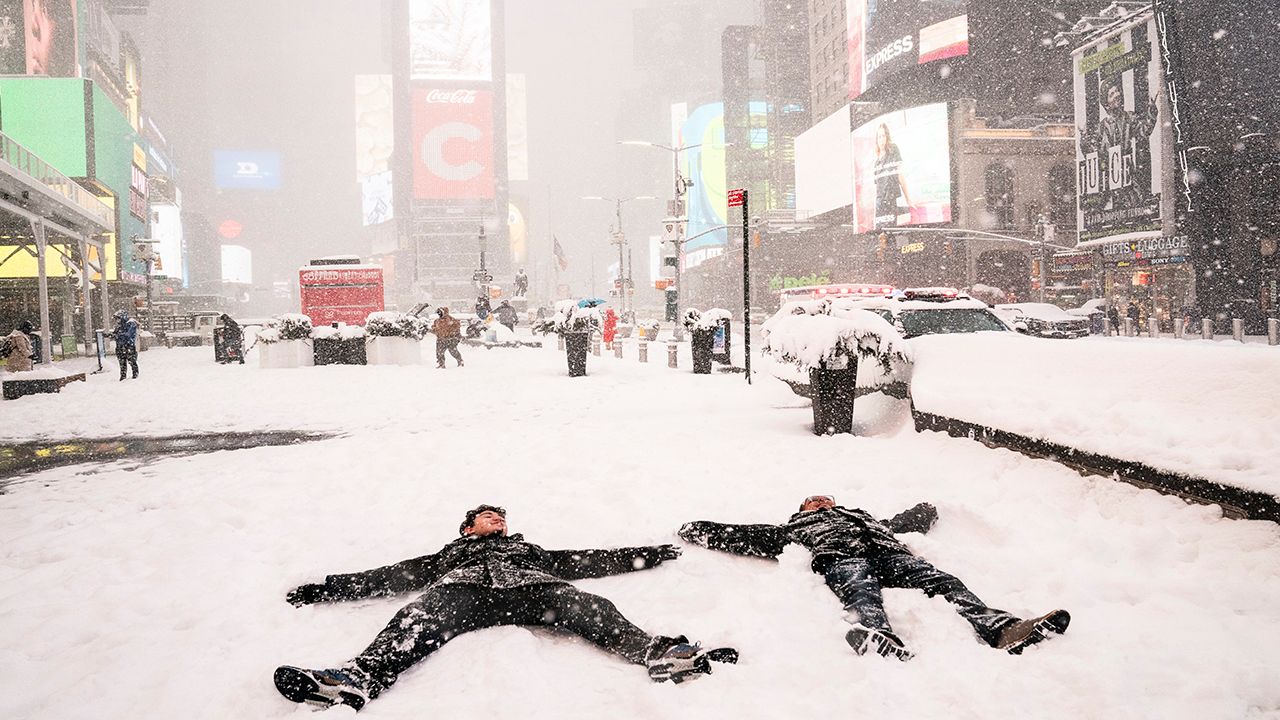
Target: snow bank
{"x":1205,"y":408}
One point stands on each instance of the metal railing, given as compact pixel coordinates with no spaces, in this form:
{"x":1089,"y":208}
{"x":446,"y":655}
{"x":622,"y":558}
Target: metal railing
{"x":29,"y":163}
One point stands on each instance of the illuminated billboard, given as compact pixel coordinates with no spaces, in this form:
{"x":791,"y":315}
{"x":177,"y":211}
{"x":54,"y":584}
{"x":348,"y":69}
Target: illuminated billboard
{"x":237,"y":264}
{"x":166,"y":230}
{"x":38,"y":37}
{"x":1118,"y":83}
{"x":902,"y":169}
{"x":241,"y":170}
{"x":886,"y":36}
{"x":375,"y":143}
{"x":452,"y":144}
{"x":450,"y":40}
{"x":824,"y":166}
{"x":517,"y":128}
{"x":375,"y":199}
{"x":708,"y":198}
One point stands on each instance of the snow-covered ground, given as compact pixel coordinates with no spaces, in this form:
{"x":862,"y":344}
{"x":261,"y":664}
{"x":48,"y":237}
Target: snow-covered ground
{"x":1207,"y":408}
{"x":155,"y":589}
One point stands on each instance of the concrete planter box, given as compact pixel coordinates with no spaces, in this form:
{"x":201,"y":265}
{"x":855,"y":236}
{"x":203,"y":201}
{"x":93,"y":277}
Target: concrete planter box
{"x":285,"y":354}
{"x":393,"y":351}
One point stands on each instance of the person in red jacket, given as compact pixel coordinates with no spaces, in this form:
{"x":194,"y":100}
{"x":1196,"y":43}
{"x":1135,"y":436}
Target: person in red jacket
{"x":610,"y":326}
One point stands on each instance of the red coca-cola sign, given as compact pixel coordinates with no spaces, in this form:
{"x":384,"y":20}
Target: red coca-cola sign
{"x":451,"y":97}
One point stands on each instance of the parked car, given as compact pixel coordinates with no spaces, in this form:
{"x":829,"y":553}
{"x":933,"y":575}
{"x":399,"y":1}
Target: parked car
{"x":932,"y":311}
{"x":1095,"y":311}
{"x":1043,"y":320}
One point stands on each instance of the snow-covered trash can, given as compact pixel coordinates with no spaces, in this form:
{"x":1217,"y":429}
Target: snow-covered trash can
{"x":574,"y":322}
{"x":393,"y":338}
{"x":830,"y":343}
{"x":702,"y":329}
{"x":342,"y":345}
{"x":286,"y":342}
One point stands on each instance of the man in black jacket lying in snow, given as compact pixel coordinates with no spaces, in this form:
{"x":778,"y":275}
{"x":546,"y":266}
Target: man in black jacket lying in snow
{"x":858,"y":555}
{"x":484,"y":579}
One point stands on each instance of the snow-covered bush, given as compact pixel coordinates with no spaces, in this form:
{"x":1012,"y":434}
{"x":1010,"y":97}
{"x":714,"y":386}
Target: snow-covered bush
{"x":695,"y":321}
{"x":342,"y":332}
{"x":570,"y":318}
{"x":289,"y":326}
{"x":395,"y":324}
{"x":818,"y":335}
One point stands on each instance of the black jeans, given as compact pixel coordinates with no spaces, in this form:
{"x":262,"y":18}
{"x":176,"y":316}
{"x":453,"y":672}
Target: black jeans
{"x":450,"y":344}
{"x":444,"y":612}
{"x":128,"y":358}
{"x":857,"y":582}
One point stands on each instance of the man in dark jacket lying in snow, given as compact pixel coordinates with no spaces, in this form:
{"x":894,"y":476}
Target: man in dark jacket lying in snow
{"x":484,"y":579}
{"x":858,"y":555}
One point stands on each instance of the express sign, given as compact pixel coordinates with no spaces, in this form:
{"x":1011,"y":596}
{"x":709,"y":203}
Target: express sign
{"x":452,"y":144}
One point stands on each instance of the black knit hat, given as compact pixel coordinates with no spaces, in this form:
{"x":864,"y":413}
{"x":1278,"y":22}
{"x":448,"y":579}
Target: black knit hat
{"x":471,"y":516}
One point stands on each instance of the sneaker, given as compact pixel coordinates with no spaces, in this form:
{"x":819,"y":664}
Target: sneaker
{"x":1017,"y":637}
{"x":683,"y":660}
{"x":322,"y":688}
{"x":883,"y":642}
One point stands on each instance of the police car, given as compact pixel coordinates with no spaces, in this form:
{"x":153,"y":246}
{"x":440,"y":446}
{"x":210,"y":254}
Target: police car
{"x":932,"y":311}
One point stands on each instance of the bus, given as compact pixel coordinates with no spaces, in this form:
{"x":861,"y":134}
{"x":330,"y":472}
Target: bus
{"x":836,"y":290}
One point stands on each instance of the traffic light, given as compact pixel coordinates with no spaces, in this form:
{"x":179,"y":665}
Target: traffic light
{"x":883,"y":249}
{"x":1035,"y":269}
{"x":946,"y":247}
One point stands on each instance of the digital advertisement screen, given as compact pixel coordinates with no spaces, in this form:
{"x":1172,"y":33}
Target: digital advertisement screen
{"x":166,"y":230}
{"x":450,"y":40}
{"x":1118,"y":83}
{"x":708,"y":198}
{"x":824,"y":166}
{"x":237,"y":264}
{"x":886,"y":36}
{"x":38,"y":37}
{"x":902,"y":169}
{"x":375,"y":130}
{"x":242,"y":170}
{"x":452,"y":144}
{"x":376,"y":201}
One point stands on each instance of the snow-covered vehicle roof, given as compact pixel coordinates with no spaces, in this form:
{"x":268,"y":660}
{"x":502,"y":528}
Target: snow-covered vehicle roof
{"x":1038,"y":311}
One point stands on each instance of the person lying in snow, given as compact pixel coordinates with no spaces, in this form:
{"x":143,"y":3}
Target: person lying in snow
{"x":484,"y":579}
{"x":858,"y":555}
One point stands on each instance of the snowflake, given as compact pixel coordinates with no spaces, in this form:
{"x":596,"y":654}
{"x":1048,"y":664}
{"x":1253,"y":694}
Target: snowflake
{"x":8,"y":31}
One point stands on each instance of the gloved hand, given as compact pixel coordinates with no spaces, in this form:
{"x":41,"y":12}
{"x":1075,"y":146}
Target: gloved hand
{"x":306,"y":594}
{"x":694,"y":532}
{"x":668,"y":552}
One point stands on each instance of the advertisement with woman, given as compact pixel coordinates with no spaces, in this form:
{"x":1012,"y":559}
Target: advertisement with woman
{"x":47,"y":44}
{"x":902,"y":169}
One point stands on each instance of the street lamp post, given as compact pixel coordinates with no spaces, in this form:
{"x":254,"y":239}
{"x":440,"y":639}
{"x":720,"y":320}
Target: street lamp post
{"x":677,"y":208}
{"x":620,"y":240}
{"x":146,"y":253}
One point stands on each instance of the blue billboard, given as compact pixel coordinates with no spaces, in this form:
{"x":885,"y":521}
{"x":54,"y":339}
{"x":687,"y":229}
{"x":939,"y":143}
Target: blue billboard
{"x":240,"y":170}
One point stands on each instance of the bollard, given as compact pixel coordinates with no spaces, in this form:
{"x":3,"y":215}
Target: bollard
{"x":595,"y":346}
{"x":1273,"y":331}
{"x":1206,"y":329}
{"x":672,"y":357}
{"x":1237,"y":329}
{"x":1107,"y":327}
{"x":643,"y":351}
{"x":617,"y":349}
{"x":560,"y":343}
{"x":1153,"y":327}
{"x":1128,"y":327}
{"x":1179,"y":327}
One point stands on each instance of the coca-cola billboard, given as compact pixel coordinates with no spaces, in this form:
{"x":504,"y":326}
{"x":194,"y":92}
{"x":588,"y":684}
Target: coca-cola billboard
{"x":452,"y":144}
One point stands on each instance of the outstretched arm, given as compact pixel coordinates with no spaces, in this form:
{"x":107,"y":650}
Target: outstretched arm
{"x":413,"y":574}
{"x":757,"y":540}
{"x":920,"y":518}
{"x":579,"y":564}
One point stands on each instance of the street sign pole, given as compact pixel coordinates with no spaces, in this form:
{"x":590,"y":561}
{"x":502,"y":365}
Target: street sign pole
{"x":739,"y":198}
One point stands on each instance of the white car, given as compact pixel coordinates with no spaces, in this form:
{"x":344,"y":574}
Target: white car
{"x":1042,"y":320}
{"x":931,"y":311}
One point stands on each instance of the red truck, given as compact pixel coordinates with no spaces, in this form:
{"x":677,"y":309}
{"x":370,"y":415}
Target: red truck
{"x":340,"y":290}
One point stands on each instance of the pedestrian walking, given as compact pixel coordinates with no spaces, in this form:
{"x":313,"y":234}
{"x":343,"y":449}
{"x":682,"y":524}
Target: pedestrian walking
{"x":448,"y":332}
{"x":16,"y":348}
{"x":37,"y":344}
{"x":1135,"y":315}
{"x":487,"y":578}
{"x":232,"y":340}
{"x":483,"y":308}
{"x":1113,"y":317}
{"x":126,"y":337}
{"x":522,"y":283}
{"x":610,"y":327}
{"x":858,"y":555}
{"x":507,"y":315}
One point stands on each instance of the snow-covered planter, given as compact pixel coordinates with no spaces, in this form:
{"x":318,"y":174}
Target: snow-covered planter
{"x":813,"y":334}
{"x":702,"y":330}
{"x":342,"y":345}
{"x":394,"y":339}
{"x":575,"y":324}
{"x":695,"y":321}
{"x":286,"y":343}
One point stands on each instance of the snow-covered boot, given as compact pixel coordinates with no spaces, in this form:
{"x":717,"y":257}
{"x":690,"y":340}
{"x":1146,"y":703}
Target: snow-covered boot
{"x":882,"y":642}
{"x":1020,"y":635}
{"x":682,"y":660}
{"x":323,"y":688}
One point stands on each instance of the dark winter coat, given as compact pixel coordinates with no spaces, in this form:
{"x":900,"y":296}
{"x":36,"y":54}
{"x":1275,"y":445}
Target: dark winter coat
{"x":507,"y":315}
{"x":494,"y":561}
{"x":126,"y":337}
{"x":830,"y":534}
